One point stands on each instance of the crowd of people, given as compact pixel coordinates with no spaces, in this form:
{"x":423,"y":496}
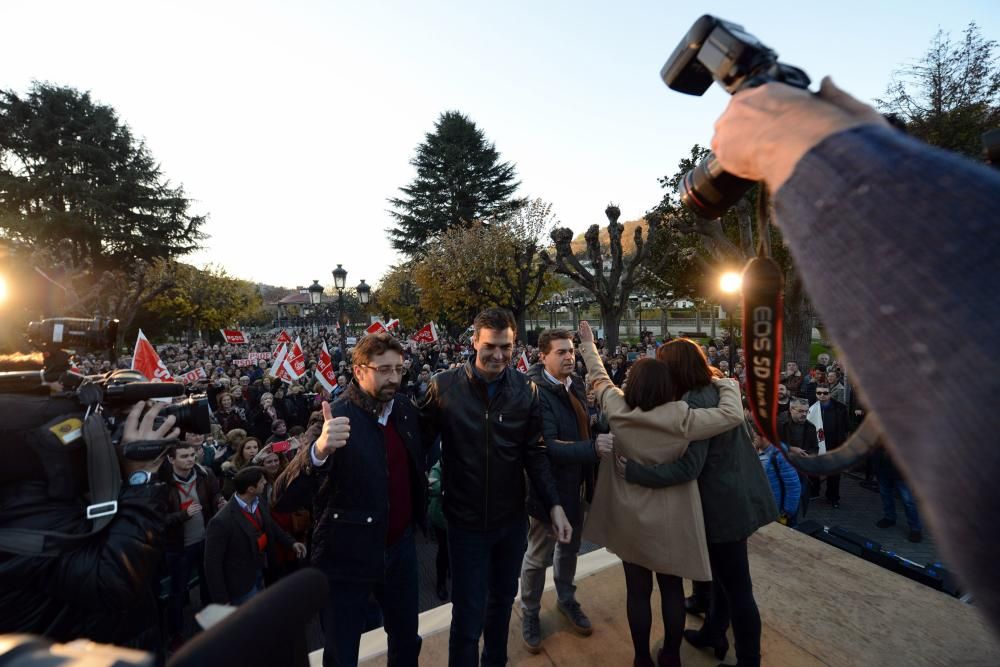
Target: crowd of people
{"x":252,"y":472}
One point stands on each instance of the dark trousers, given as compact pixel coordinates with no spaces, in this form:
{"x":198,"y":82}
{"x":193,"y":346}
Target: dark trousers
{"x":180,"y":565}
{"x":832,"y":487}
{"x":345,"y":616}
{"x":732,"y":599}
{"x":485,"y":565}
{"x":441,"y":560}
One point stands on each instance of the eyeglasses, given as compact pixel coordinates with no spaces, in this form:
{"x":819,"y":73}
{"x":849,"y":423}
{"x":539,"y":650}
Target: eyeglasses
{"x":386,"y":371}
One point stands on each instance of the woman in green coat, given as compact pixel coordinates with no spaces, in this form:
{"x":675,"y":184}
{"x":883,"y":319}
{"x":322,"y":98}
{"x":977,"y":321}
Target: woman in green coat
{"x":736,"y":500}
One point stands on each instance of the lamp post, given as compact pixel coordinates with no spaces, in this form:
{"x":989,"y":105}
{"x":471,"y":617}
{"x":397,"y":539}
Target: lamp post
{"x":364,"y":292}
{"x":731,"y":283}
{"x":315,"y":298}
{"x":339,"y":282}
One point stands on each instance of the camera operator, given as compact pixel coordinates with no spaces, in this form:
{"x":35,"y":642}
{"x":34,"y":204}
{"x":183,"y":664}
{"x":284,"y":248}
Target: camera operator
{"x":918,"y":229}
{"x":102,"y":588}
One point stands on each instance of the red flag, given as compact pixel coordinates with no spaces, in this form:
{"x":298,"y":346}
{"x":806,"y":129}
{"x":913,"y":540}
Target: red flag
{"x":277,"y":368}
{"x":428,"y":334}
{"x":295,"y":361}
{"x":522,"y":363}
{"x":148,"y":362}
{"x":392,"y":324}
{"x":234,"y":336}
{"x":376,"y":327}
{"x":283,"y":337}
{"x":326,"y":374}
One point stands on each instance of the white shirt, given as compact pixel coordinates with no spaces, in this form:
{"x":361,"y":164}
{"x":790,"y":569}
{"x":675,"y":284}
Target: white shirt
{"x":568,"y":382}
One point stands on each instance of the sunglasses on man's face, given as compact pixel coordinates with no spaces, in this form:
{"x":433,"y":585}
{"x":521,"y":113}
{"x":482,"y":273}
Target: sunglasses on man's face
{"x":822,"y":393}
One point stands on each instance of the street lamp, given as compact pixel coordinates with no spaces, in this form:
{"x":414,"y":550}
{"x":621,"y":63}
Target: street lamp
{"x":339,"y":282}
{"x":315,"y":298}
{"x":364,"y":292}
{"x":731,"y":283}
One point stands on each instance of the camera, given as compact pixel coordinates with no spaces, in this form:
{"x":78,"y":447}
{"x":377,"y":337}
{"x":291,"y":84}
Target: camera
{"x":720,"y":51}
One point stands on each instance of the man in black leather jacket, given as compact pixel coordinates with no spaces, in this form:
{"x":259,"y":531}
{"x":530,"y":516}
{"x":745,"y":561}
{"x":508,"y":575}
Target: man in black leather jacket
{"x":103,"y":589}
{"x":489,"y":417}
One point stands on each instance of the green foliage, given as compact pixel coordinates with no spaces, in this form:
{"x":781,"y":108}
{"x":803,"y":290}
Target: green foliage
{"x":206,"y":299}
{"x":459,"y":179}
{"x":951,"y":96}
{"x":74,"y":179}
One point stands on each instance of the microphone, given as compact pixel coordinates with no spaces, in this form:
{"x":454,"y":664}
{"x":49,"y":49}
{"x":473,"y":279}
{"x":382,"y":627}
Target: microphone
{"x":270,"y":629}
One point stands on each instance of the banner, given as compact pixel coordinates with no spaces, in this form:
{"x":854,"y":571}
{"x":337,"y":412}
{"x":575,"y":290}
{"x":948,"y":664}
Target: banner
{"x":283,"y":337}
{"x":259,"y":356}
{"x":234,"y":336}
{"x":376,"y":327}
{"x":295,"y":361}
{"x":522,"y":363}
{"x":427,"y":334}
{"x":325,"y":372}
{"x":148,"y":362}
{"x":193,"y":376}
{"x":240,"y":363}
{"x":815,"y":417}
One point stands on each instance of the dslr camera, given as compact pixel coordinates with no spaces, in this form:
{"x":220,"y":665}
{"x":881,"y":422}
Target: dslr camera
{"x":720,"y":51}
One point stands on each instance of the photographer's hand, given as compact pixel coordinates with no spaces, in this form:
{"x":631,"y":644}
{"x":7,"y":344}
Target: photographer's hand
{"x":766,"y":130}
{"x":137,"y":430}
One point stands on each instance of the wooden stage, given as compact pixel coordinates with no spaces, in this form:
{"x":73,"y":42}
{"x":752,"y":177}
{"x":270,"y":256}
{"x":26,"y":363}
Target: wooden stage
{"x":819,"y":605}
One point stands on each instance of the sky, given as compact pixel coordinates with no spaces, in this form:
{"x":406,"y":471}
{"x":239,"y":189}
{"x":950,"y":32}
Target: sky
{"x":290,"y":123}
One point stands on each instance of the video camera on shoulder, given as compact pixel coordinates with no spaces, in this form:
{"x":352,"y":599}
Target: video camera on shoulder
{"x":31,"y":399}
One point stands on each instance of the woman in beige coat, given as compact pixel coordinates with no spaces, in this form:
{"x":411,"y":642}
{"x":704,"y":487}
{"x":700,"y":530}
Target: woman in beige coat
{"x":652,"y":530}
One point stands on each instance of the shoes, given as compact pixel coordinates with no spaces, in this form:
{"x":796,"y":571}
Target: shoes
{"x":885,"y":523}
{"x":664,"y":659}
{"x":531,"y":632}
{"x":835,"y":504}
{"x":700,"y":639}
{"x":696,"y":604}
{"x":442,"y":592}
{"x":576,"y":617}
{"x":915,"y":536}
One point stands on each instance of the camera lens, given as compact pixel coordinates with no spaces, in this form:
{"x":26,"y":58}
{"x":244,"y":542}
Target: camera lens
{"x":708,"y":190}
{"x":192,"y":414}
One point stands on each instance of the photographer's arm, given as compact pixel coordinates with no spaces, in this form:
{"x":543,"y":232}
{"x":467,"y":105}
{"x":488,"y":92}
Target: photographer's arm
{"x":917,"y":228}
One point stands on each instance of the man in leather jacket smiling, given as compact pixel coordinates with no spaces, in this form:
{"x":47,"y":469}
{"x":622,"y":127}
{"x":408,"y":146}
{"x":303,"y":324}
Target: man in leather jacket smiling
{"x":489,"y":418}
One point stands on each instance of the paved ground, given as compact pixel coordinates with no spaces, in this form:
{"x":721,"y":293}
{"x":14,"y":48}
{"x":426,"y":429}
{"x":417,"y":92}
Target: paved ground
{"x":860,"y":508}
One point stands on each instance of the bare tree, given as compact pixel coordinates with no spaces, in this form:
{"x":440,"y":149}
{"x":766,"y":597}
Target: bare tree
{"x":611,"y":289}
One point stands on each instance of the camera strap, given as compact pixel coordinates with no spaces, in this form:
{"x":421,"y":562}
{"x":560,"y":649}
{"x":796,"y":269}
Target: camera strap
{"x":763,"y":312}
{"x":105,"y":484}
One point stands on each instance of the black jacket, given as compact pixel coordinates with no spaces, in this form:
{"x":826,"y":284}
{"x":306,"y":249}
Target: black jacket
{"x":232,"y":557}
{"x":836,"y":425}
{"x":487,"y":446}
{"x":349,"y":494}
{"x":801,"y":435}
{"x":102,"y":590}
{"x":571,"y":456}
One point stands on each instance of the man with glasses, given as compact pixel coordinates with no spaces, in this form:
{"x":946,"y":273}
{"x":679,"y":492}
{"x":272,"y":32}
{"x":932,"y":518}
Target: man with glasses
{"x":364,"y":476}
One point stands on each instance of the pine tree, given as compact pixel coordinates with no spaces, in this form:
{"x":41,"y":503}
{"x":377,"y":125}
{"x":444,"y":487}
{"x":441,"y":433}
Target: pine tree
{"x":460,"y":178}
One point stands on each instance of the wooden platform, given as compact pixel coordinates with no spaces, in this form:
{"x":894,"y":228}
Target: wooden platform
{"x":820,"y":606}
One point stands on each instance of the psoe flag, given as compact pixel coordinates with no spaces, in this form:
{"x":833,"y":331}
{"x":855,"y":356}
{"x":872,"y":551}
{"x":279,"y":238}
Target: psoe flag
{"x":295,"y":361}
{"x":283,"y":337}
{"x":326,"y":374}
{"x":234,"y":336}
{"x":148,"y":362}
{"x":427,"y":334}
{"x":376,"y":327}
{"x":815,"y":417}
{"x":522,"y":363}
